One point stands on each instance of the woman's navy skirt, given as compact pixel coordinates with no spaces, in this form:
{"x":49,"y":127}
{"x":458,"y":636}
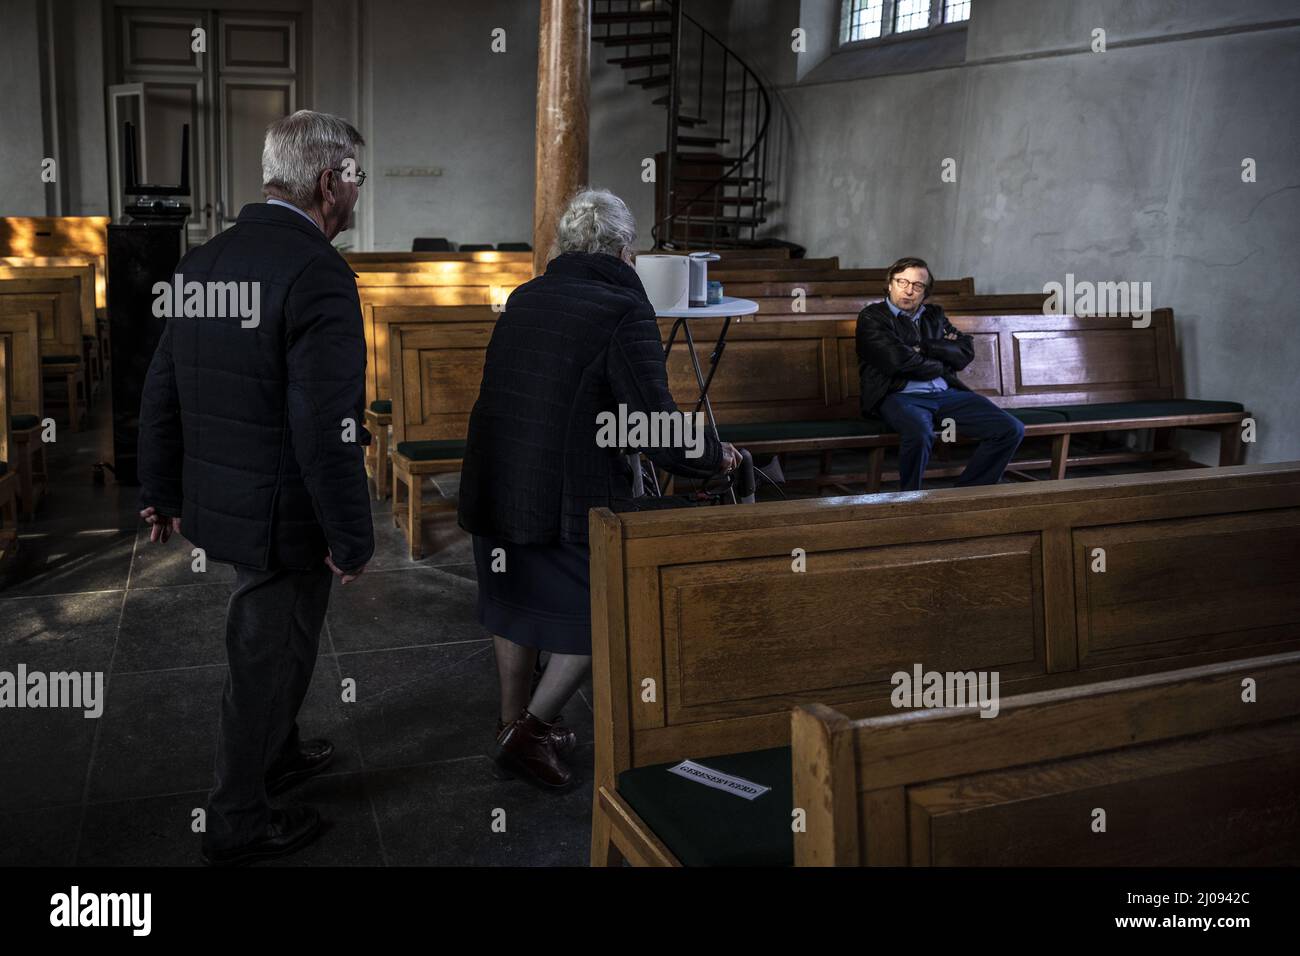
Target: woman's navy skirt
{"x":541,"y":599}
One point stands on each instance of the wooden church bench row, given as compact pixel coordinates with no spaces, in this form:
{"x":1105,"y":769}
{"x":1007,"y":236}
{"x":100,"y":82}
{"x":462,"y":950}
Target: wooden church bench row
{"x":710,"y":624}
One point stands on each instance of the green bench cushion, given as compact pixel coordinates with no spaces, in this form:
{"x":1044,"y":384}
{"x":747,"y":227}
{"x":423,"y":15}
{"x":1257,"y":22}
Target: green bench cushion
{"x":381,"y":407}
{"x":431,"y":450}
{"x":1037,"y":416}
{"x":704,"y":826}
{"x":1154,"y":408}
{"x":23,"y":422}
{"x":774,"y":431}
{"x":60,"y":359}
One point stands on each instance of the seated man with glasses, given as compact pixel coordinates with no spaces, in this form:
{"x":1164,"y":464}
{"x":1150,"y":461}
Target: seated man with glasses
{"x":908,"y":359}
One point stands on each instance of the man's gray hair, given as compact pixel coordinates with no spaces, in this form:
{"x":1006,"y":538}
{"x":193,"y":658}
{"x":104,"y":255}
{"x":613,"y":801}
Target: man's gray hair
{"x":595,"y":220}
{"x":299,"y":147}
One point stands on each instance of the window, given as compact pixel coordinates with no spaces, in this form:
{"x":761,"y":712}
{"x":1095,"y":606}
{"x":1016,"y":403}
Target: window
{"x":954,"y":11}
{"x":861,"y":20}
{"x":872,"y":19}
{"x":911,"y":15}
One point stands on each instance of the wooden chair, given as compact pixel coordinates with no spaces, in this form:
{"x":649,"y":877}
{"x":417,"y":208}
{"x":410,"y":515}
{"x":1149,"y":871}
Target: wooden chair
{"x":436,"y":369}
{"x":710,"y":624}
{"x":84,"y":370}
{"x":8,"y":476}
{"x":26,"y":411}
{"x":1179,"y":768}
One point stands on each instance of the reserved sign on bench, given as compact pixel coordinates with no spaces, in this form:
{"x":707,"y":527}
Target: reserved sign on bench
{"x":718,"y":780}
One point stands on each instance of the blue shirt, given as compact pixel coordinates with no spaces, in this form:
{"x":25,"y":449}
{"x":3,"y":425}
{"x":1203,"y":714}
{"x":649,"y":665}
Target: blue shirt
{"x":289,"y":205}
{"x":916,"y":384}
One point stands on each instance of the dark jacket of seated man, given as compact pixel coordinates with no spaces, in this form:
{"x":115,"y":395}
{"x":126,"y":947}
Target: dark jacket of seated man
{"x":909,"y":355}
{"x":893,"y":350}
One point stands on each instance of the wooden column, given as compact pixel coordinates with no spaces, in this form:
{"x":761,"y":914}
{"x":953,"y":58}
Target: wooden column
{"x":563,"y":85}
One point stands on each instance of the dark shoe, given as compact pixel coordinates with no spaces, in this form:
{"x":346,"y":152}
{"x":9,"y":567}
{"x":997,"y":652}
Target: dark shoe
{"x":290,"y":830}
{"x":565,"y":739}
{"x":312,"y":757}
{"x":526,"y":748}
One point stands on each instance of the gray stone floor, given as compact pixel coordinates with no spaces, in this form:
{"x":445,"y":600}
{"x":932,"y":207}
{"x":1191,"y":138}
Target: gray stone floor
{"x":410,"y":784}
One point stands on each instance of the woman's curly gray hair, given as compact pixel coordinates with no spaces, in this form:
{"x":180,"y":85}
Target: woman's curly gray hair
{"x":595,"y":220}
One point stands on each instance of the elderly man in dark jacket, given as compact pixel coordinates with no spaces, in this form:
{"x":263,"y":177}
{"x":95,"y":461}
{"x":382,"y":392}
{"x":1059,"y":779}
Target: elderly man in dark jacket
{"x":909,"y":355}
{"x":250,"y":446}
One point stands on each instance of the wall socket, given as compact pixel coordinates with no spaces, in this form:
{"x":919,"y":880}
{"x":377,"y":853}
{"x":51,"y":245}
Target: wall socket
{"x":413,"y":171}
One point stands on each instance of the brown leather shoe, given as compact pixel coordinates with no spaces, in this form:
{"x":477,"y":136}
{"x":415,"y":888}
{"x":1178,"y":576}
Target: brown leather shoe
{"x":565,"y":739}
{"x":526,"y":747}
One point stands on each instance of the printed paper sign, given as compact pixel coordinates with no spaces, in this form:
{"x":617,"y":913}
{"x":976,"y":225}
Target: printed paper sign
{"x":718,"y":780}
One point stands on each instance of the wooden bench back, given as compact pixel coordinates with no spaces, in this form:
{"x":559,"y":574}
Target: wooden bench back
{"x":847,"y":307}
{"x":406,"y":261}
{"x":436,"y":370}
{"x":1186,"y":771}
{"x":60,"y":326}
{"x":22,"y":323}
{"x":84,"y":275}
{"x":729,"y":267}
{"x":380,"y":319}
{"x":95,"y":262}
{"x":815,"y":285}
{"x":705,"y":633}
{"x":801,"y":370}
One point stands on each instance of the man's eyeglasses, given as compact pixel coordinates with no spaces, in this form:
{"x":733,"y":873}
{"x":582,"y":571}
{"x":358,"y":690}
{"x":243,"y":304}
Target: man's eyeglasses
{"x":904,"y":285}
{"x":359,"y":177}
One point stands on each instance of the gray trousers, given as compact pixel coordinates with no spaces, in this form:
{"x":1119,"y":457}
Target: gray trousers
{"x":273,"y":627}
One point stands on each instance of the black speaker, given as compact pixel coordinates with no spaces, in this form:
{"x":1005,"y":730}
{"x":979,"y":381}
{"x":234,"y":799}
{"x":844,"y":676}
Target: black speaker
{"x":139,"y":254}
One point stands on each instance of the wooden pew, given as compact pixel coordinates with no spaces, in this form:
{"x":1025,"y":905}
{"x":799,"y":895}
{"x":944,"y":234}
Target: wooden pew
{"x":8,"y":474}
{"x":61,"y":345}
{"x":517,"y":263}
{"x":88,"y":343}
{"x":778,"y":252}
{"x":26,"y":396}
{"x":792,"y":386}
{"x":55,"y":237}
{"x":848,"y":307}
{"x":1185,"y":771}
{"x":99,"y":346}
{"x":705,"y":633}
{"x":436,"y":371}
{"x":759,"y":288}
{"x":379,"y":394}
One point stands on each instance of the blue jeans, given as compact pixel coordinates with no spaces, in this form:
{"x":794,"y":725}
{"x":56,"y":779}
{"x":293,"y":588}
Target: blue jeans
{"x":915,"y":416}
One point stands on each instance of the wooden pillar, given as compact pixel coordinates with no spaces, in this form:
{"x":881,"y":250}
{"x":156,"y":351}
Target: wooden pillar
{"x":563,"y":85}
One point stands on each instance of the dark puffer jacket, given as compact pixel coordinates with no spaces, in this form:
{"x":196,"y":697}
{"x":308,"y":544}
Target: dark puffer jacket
{"x":242,"y":430}
{"x":571,"y":343}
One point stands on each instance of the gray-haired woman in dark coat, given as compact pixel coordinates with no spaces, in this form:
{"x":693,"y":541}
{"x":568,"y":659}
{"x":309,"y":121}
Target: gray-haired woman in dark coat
{"x":573,"y":343}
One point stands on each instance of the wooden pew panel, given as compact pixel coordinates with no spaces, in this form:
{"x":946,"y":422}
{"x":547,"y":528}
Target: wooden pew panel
{"x":23,"y":317}
{"x":1245,"y":813}
{"x":61,"y":328}
{"x":1174,"y":586}
{"x":379,"y":318}
{"x":442,"y":369}
{"x":754,"y":637}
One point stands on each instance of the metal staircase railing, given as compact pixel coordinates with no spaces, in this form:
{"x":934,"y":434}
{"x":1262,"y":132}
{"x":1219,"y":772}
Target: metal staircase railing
{"x":707,"y":197}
